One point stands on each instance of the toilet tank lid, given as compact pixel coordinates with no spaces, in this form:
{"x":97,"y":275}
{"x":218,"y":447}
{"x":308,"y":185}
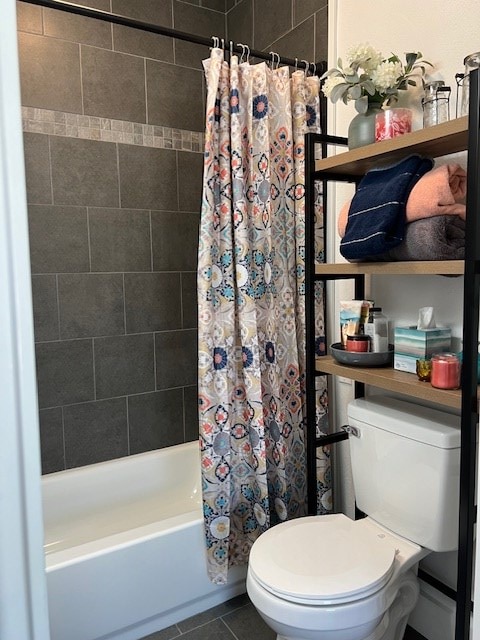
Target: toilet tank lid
{"x":423,"y":424}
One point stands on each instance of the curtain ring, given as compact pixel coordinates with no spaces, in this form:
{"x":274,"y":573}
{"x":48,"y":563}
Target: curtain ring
{"x":272,"y":60}
{"x":278,"y":61}
{"x":223,"y":44}
{"x":296,"y":64}
{"x":231,"y":48}
{"x":243,"y":52}
{"x":216,"y":42}
{"x":248,"y":52}
{"x":307,"y":66}
{"x":314,"y":69}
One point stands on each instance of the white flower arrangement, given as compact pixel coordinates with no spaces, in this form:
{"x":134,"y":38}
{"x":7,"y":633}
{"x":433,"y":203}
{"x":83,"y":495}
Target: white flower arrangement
{"x":368,"y":77}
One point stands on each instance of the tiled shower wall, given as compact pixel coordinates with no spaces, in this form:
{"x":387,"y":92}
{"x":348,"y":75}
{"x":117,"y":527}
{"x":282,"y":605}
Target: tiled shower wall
{"x":113,"y":121}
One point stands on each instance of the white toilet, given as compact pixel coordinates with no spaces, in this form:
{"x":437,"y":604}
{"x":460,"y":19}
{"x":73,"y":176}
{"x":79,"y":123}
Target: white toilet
{"x":332,"y":578}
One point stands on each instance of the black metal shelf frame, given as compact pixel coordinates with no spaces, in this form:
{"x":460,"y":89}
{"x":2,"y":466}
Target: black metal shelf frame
{"x":471,"y":305}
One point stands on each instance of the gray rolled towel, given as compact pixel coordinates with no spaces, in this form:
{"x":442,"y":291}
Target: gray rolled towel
{"x":433,"y":238}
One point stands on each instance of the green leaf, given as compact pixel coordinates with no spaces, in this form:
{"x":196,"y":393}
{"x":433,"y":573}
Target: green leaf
{"x":338,"y":92}
{"x":356,"y":92}
{"x":369,"y":87}
{"x":411,"y":58}
{"x":361,"y":104}
{"x":353,"y":78}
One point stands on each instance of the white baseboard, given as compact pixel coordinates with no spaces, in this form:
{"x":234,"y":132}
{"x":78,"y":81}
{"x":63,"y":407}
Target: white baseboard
{"x":434,"y":615}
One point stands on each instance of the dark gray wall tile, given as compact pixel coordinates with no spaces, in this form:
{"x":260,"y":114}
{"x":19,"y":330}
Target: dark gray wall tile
{"x":84,"y":172}
{"x":190,"y":402}
{"x":37,"y":168}
{"x":64,"y":372}
{"x":271,"y":20}
{"x":90,"y":305}
{"x":155,"y":420}
{"x":200,"y":21}
{"x":152,"y":302}
{"x":303,"y":9}
{"x":103,"y":5}
{"x":95,"y":431}
{"x":120,"y":240}
{"x":298,"y":43}
{"x":124,"y":365}
{"x":113,"y":84}
{"x":148,"y":177}
{"x":216,"y":5}
{"x":45,"y":307}
{"x":176,"y":358}
{"x":170,"y":89}
{"x":145,"y":10}
{"x":240,"y":23}
{"x":190,"y":172}
{"x":49,"y":73}
{"x":149,"y":45}
{"x":29,"y":18}
{"x":189,"y":301}
{"x":68,"y":26}
{"x":51,"y":440}
{"x":174,"y":241}
{"x":58,"y":239}
{"x":321,"y":34}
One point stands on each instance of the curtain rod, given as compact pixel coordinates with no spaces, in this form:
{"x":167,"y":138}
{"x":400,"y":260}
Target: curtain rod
{"x":98,"y":14}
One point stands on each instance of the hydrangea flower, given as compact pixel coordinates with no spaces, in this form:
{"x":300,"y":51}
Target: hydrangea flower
{"x":368,"y":77}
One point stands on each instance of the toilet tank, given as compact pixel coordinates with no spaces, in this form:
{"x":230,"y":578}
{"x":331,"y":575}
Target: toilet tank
{"x":406,"y":469}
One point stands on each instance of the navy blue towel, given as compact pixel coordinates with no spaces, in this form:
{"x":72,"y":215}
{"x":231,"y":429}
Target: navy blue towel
{"x":376,"y":219}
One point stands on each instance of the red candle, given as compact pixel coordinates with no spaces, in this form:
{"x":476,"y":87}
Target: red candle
{"x":358,"y":342}
{"x":445,"y":371}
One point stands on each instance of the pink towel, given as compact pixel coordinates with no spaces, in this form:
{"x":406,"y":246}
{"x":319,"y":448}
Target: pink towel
{"x":440,"y":191}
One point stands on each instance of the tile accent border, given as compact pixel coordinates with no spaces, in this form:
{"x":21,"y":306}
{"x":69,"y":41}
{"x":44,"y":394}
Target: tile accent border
{"x":72,"y":125}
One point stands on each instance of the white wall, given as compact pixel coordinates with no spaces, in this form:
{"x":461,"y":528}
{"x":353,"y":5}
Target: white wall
{"x":445,"y":33}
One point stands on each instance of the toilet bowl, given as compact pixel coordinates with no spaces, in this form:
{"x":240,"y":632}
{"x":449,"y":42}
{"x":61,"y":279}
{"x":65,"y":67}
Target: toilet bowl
{"x":340,"y":589}
{"x":333,"y":578}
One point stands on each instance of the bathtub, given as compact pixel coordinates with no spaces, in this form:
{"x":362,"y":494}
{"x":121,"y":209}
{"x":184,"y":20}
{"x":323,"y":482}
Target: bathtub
{"x":124,"y":547}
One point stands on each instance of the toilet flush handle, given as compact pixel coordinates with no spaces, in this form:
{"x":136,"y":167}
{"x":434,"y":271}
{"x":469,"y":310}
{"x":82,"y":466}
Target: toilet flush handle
{"x":352,"y":431}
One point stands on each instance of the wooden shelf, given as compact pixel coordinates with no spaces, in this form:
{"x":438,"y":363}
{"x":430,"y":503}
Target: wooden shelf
{"x":391,"y":380}
{"x":434,"y":267}
{"x":442,"y":139}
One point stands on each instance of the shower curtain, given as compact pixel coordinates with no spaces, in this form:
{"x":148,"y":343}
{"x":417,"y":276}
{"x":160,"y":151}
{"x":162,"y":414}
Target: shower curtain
{"x":251,"y":305}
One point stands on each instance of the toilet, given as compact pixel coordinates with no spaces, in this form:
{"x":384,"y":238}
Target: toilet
{"x":333,"y":578}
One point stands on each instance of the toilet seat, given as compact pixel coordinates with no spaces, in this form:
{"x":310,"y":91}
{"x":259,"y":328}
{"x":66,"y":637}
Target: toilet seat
{"x":324,"y":560}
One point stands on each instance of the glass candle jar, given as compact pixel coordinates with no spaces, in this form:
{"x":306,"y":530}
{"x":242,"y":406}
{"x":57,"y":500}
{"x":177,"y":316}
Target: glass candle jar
{"x":424,"y":370}
{"x":390,"y":123}
{"x":445,"y":371}
{"x":358,"y":342}
{"x":471,"y":62}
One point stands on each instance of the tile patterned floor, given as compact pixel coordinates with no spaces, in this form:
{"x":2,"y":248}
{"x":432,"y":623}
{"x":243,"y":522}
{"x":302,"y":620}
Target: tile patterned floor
{"x":236,"y":619}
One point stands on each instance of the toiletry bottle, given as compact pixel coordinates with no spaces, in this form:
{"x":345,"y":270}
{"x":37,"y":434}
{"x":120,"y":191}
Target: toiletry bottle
{"x":377,"y":329}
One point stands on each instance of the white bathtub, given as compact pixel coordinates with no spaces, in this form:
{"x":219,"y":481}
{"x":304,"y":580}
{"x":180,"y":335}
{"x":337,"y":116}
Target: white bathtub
{"x":125,"y":549}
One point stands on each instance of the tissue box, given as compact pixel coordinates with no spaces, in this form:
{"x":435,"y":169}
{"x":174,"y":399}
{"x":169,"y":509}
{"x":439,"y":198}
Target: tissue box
{"x":412,"y":344}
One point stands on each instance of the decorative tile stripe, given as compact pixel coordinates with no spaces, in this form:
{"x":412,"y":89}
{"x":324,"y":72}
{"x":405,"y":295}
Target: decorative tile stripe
{"x":72,"y":125}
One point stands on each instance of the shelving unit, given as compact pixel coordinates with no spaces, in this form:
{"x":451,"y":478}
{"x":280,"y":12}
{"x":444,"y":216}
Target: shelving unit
{"x":458,"y":135}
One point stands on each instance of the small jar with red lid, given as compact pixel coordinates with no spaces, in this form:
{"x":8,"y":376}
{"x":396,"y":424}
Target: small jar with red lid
{"x":358,"y":342}
{"x":445,"y":371}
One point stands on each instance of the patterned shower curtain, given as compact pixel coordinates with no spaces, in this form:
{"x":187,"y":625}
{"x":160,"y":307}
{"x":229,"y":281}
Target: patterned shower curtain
{"x":251,"y":305}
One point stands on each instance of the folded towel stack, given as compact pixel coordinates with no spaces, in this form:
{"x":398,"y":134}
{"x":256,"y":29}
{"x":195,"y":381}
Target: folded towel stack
{"x":434,"y":238}
{"x":376,"y":216}
{"x":438,"y":195}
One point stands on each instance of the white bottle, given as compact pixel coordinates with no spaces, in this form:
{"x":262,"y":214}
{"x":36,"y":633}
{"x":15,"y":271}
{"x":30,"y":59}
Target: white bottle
{"x":377,"y":329}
